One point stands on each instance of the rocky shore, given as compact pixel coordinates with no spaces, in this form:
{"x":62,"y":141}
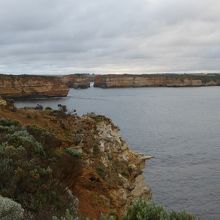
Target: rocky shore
{"x":101,"y":175}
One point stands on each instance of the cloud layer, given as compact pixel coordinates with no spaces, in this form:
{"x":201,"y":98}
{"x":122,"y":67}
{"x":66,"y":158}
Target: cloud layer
{"x":109,"y":36}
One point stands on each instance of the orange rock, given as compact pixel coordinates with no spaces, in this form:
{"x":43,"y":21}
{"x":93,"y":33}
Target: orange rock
{"x":16,"y":86}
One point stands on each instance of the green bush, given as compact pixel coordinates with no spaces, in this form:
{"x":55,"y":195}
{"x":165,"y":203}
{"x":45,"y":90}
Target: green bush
{"x":7,"y":122}
{"x":73,"y":152}
{"x":48,"y":140}
{"x":101,"y":170}
{"x":109,"y":217}
{"x":48,"y":108}
{"x":23,"y":138}
{"x":145,"y":210}
{"x":30,"y":175}
{"x":183,"y":215}
{"x":67,"y":216}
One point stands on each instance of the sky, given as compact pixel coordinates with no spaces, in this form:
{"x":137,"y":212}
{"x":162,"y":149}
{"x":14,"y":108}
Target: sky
{"x":109,"y":36}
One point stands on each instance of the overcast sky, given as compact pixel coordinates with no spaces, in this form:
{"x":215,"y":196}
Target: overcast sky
{"x":109,"y":36}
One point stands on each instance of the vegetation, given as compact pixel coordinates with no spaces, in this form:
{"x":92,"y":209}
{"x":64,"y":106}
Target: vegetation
{"x":31,"y":173}
{"x":38,"y":167}
{"x":10,"y":209}
{"x":6,"y":122}
{"x":140,"y":210}
{"x":145,"y":210}
{"x":67,"y":216}
{"x":73,"y":152}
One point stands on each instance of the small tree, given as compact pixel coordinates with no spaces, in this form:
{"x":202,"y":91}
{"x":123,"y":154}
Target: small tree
{"x":62,"y":108}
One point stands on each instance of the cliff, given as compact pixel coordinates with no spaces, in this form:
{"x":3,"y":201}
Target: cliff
{"x":78,"y":81}
{"x":84,"y":153}
{"x":17,"y":86}
{"x":157,"y":80}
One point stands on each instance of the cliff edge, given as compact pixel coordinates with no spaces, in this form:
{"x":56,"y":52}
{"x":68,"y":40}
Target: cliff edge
{"x":156,"y":80}
{"x":78,"y":81}
{"x":84,"y":153}
{"x":19,"y":86}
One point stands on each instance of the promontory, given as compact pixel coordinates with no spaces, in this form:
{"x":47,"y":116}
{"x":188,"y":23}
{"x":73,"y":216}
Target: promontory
{"x":22,"y":86}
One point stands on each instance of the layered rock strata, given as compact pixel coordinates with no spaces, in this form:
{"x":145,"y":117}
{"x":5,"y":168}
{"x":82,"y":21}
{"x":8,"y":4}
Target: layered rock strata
{"x":19,"y":86}
{"x":78,"y":81}
{"x":157,"y":80}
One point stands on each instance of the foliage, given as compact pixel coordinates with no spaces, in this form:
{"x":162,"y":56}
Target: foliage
{"x":30,"y":171}
{"x":48,"y":140}
{"x":183,"y":215}
{"x":62,"y":108}
{"x":36,"y":169}
{"x":145,"y":210}
{"x":67,"y":216}
{"x":100,"y":169}
{"x":96,"y":150}
{"x":109,"y":217}
{"x":73,"y":152}
{"x":7,"y":122}
{"x":10,"y":209}
{"x":48,"y":108}
{"x":22,"y":137}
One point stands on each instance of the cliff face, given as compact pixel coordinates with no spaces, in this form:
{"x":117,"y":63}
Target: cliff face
{"x":16,"y":86}
{"x":78,"y":81}
{"x":109,"y":176}
{"x":157,"y":80}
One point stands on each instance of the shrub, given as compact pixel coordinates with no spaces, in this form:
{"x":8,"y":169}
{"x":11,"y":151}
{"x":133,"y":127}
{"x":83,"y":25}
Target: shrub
{"x":62,"y":108}
{"x":73,"y":152}
{"x":9,"y":209}
{"x":183,"y":215}
{"x":32,"y":177}
{"x":145,"y":210}
{"x":8,"y":123}
{"x":109,"y":217}
{"x":2,"y":148}
{"x":48,"y":140}
{"x":23,"y":138}
{"x":48,"y":108}
{"x":67,"y":216}
{"x":100,"y":168}
{"x":142,"y":210}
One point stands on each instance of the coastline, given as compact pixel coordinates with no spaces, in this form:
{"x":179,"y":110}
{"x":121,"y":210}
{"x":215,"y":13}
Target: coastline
{"x":111,"y":175}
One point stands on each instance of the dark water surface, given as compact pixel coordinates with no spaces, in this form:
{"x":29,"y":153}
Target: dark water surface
{"x":180,"y":127}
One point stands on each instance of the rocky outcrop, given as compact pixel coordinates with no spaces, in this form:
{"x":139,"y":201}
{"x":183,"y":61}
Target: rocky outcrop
{"x":78,"y":81}
{"x":109,"y":176}
{"x":157,"y":80}
{"x":120,"y":169}
{"x":18,"y":86}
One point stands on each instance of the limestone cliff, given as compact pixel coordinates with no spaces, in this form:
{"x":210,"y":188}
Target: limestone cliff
{"x":17,"y":86}
{"x":78,"y":81}
{"x":157,"y":80}
{"x":110,"y":175}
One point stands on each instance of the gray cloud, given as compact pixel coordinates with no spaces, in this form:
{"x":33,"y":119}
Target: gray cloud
{"x":109,"y":36}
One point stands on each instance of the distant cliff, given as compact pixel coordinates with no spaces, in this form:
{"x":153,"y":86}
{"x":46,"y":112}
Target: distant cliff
{"x":17,"y":86}
{"x":78,"y":81}
{"x":157,"y":80}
